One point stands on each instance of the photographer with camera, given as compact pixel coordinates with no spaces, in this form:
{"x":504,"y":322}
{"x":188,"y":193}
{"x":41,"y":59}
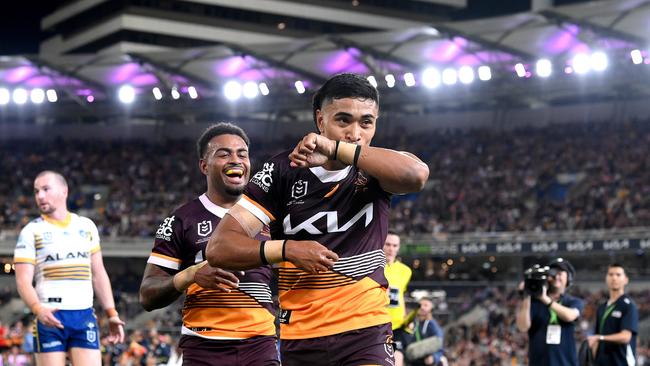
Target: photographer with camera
{"x":549,"y":315}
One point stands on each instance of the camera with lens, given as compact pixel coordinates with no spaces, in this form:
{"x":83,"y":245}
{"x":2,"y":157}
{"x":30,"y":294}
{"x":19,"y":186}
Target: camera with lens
{"x":535,"y":278}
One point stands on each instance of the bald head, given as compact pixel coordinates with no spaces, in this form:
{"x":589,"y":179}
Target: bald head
{"x":50,"y":192}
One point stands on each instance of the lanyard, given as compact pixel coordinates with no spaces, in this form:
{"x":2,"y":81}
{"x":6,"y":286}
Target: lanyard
{"x":554,"y":319}
{"x":418,"y":337}
{"x":608,"y":311}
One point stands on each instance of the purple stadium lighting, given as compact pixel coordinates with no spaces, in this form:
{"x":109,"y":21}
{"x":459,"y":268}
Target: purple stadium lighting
{"x":250,"y":90}
{"x":232,"y":90}
{"x":390,"y":80}
{"x":520,"y":69}
{"x":264,"y":89}
{"x":544,"y":68}
{"x":175,"y":93}
{"x":19,"y":96}
{"x":126,"y":94}
{"x":409,"y":79}
{"x":37,"y":96}
{"x":157,"y":94}
{"x":637,"y":57}
{"x":191,"y":91}
{"x":484,"y":73}
{"x":300,"y":87}
{"x":5,"y":96}
{"x":430,"y":78}
{"x":90,"y":99}
{"x":51,"y":95}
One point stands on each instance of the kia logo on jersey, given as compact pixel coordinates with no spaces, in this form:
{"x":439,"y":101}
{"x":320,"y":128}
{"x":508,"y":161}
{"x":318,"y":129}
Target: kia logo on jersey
{"x":204,"y":228}
{"x":299,"y":189}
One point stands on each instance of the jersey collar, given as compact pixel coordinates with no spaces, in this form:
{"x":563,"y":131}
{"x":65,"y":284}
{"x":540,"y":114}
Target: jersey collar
{"x":60,"y":223}
{"x":215,"y":209}
{"x":328,"y":176}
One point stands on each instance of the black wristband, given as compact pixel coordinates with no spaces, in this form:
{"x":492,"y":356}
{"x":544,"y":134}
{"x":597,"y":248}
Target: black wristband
{"x":550,"y":303}
{"x":262,"y":255}
{"x":357,"y":152}
{"x":336,"y":150}
{"x":284,"y":246}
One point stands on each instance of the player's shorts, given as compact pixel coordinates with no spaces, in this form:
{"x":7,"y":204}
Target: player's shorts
{"x":261,"y":350}
{"x":366,"y":346}
{"x":79,"y":330}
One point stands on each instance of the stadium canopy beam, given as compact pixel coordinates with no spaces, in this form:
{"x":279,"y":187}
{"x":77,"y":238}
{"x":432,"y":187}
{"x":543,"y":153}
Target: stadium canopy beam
{"x":41,"y":64}
{"x":170,"y":70}
{"x":375,"y":53}
{"x":275,"y":63}
{"x":602,"y":30}
{"x":452,"y":32}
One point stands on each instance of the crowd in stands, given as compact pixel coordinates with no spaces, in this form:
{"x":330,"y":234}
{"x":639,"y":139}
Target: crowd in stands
{"x":555,"y":177}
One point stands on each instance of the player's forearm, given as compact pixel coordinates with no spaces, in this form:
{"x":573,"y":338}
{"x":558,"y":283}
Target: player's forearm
{"x":232,"y":250}
{"x":24,"y":278}
{"x":157,"y":288}
{"x":396,"y":172}
{"x":103,"y":290}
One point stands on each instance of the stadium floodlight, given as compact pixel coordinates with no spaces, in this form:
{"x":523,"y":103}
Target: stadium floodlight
{"x":390,"y":80}
{"x":126,"y":94}
{"x":300,"y":87}
{"x":264,"y":89}
{"x":19,"y":96}
{"x":37,"y":96}
{"x":449,"y":76}
{"x":157,"y":93}
{"x":372,"y":80}
{"x":192,"y":92}
{"x":51,"y":95}
{"x":637,"y":57}
{"x":466,"y":74}
{"x":250,"y":90}
{"x":90,"y":99}
{"x":5,"y":96}
{"x":175,"y":93}
{"x":544,"y":68}
{"x":484,"y":73}
{"x":599,"y":61}
{"x":430,"y":77}
{"x":232,"y":90}
{"x":581,"y":63}
{"x":409,"y":79}
{"x":520,"y":69}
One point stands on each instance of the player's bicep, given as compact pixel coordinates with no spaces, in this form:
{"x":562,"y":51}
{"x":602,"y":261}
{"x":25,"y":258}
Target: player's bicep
{"x":155,"y":272}
{"x":242,"y":221}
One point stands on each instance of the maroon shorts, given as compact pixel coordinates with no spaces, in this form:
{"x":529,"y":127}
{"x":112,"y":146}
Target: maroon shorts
{"x":260,"y":350}
{"x":366,"y":346}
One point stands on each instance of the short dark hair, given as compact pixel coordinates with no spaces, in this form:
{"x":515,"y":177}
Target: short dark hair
{"x":58,"y":176}
{"x":221,"y":128}
{"x":343,"y":86}
{"x":616,"y":265}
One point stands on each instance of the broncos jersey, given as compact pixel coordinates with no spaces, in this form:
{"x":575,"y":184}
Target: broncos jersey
{"x":346,"y":211}
{"x":60,"y":252}
{"x":242,"y":313}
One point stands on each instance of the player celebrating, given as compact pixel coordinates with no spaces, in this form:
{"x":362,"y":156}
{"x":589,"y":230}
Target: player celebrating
{"x":327,"y":207}
{"x":227,"y":320}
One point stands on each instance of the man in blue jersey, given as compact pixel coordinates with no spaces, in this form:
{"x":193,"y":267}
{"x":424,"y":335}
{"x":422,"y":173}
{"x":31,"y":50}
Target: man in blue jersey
{"x":550,"y":318}
{"x":617,"y":323}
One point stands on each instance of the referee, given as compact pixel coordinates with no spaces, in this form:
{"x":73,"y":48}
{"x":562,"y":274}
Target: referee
{"x":617,"y":323}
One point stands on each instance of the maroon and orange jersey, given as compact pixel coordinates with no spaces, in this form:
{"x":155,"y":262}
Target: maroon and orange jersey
{"x":347,"y":211}
{"x":242,"y":313}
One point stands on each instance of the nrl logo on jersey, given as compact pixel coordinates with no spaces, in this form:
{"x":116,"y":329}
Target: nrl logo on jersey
{"x":204,"y":228}
{"x":299,"y":189}
{"x":332,"y":222}
{"x":263,"y":178}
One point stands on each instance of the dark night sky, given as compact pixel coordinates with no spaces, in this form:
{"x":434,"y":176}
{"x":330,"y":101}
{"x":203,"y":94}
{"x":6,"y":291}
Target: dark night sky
{"x":20,"y":19}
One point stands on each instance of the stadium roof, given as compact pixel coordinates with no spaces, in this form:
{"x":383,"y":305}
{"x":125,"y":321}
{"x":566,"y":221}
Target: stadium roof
{"x":87,"y":84}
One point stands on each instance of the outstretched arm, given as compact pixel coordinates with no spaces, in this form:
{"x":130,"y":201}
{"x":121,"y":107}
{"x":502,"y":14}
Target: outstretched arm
{"x":232,"y":246}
